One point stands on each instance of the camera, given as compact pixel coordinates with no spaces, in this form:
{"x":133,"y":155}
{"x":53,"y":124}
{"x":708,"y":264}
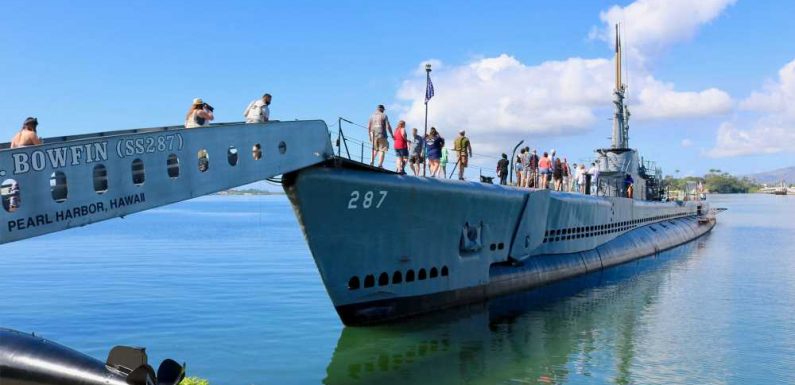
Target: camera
{"x":209,"y":107}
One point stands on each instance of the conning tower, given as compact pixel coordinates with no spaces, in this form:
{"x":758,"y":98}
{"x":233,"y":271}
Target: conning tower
{"x":618,"y":161}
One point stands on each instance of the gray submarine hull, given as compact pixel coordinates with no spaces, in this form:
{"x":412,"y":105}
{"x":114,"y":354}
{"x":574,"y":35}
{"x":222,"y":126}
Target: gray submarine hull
{"x":389,"y":246}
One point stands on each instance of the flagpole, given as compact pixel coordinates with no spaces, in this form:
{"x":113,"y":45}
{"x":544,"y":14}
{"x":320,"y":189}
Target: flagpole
{"x":425,"y":147}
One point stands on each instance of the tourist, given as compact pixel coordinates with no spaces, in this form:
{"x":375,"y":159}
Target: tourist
{"x":401,"y":147}
{"x":502,"y":169}
{"x":544,"y":168}
{"x":581,"y":173}
{"x":594,"y":173}
{"x":200,"y":114}
{"x":435,"y":143}
{"x":443,"y":162}
{"x":464,"y":150}
{"x":258,"y":110}
{"x":13,"y":197}
{"x":552,"y":159}
{"x":378,"y":126}
{"x":415,"y":157}
{"x":566,"y":172}
{"x":532,"y":169}
{"x":574,"y":183}
{"x":629,"y":183}
{"x":525,"y":167}
{"x":27,"y":135}
{"x":519,"y":167}
{"x":557,"y":174}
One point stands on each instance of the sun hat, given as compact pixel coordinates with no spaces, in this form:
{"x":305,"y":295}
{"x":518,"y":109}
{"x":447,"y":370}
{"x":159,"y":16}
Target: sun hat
{"x":197,"y":101}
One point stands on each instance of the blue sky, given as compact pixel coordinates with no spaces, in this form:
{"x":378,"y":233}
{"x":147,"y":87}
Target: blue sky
{"x":94,"y":66}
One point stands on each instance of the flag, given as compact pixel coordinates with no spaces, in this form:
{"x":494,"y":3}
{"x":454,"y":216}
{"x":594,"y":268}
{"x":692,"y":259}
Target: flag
{"x":428,"y":90}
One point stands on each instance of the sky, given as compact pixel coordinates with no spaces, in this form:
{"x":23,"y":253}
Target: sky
{"x":710,"y":82}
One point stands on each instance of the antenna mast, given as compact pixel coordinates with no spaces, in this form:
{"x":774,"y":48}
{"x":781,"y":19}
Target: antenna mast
{"x":621,"y":116}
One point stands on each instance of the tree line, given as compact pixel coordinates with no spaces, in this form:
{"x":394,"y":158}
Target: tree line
{"x":715,"y":181}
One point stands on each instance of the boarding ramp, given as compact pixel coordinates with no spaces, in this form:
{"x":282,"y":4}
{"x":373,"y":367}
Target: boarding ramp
{"x":74,"y":181}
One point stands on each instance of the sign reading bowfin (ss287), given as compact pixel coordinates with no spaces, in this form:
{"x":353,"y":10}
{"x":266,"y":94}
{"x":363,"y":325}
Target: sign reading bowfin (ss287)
{"x":75,"y":181}
{"x":74,"y":155}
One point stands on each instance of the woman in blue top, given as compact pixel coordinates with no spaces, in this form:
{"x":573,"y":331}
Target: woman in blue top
{"x":435,"y":144}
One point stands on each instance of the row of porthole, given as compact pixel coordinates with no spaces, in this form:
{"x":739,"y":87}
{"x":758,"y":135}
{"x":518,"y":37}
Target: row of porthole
{"x":397,"y":277}
{"x":590,"y":231}
{"x":60,"y":191}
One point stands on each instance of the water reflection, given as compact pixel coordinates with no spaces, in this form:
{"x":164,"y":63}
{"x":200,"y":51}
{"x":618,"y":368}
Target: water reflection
{"x":584,"y":328}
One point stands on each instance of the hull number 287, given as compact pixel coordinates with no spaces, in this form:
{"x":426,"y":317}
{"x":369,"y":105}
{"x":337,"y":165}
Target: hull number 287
{"x":367,"y":200}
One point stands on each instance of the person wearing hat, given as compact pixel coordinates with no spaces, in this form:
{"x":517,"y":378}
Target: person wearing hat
{"x":258,"y":110}
{"x":27,"y":135}
{"x":199,"y":115}
{"x":464,"y":150}
{"x":378,"y":126}
{"x":532,"y":169}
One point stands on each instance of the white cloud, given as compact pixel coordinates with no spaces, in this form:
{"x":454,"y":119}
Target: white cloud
{"x":776,"y":96}
{"x":660,"y":100}
{"x":502,"y":95}
{"x":773,"y":130}
{"x":499,"y":99}
{"x":651,"y":26}
{"x":765,"y":137}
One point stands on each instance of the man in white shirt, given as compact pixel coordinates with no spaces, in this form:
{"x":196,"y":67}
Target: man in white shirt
{"x":258,"y":110}
{"x":594,"y":172}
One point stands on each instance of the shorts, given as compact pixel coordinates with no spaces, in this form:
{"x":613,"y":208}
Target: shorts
{"x":544,"y":171}
{"x":518,"y":167}
{"x":402,"y":152}
{"x":416,"y":159}
{"x":463,"y":160}
{"x":381,"y":144}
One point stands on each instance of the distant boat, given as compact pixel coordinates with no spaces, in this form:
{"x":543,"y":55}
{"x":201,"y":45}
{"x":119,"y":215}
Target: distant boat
{"x":781,"y":189}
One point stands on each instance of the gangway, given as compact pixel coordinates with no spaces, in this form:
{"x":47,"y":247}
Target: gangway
{"x":77,"y":180}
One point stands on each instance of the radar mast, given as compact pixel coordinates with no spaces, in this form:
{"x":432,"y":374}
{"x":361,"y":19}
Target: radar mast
{"x":621,"y":115}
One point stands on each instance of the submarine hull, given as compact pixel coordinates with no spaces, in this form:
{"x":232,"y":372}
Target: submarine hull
{"x":390,"y":246}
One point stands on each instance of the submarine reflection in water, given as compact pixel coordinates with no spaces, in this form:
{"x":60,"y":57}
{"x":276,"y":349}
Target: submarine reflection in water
{"x":541,"y":336}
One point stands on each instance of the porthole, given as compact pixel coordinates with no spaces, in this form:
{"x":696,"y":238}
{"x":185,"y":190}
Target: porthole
{"x":421,"y":275}
{"x":256,"y":152}
{"x":10,"y":193}
{"x":204,"y":160}
{"x":445,"y":272}
{"x":282,"y":147}
{"x":353,"y":283}
{"x":397,"y":277}
{"x":138,"y":175}
{"x":100,"y":179}
{"x":500,"y":246}
{"x":493,"y":247}
{"x":58,"y":187}
{"x":172,"y":166}
{"x":434,"y":272}
{"x":231,"y":155}
{"x":383,"y":279}
{"x":369,"y":281}
{"x":410,"y":276}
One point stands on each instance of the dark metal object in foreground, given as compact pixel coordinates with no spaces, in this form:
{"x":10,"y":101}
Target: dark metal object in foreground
{"x":26,"y":359}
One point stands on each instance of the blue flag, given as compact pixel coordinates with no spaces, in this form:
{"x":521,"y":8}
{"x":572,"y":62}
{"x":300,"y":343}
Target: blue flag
{"x":428,"y":90}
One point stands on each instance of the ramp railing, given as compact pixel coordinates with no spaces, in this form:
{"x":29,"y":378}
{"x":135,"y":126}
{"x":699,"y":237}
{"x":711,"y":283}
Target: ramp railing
{"x":73,"y":181}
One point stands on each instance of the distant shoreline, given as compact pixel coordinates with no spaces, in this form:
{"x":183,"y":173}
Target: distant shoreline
{"x":248,"y":192}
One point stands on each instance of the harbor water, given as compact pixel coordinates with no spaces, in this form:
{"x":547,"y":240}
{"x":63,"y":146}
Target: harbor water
{"x":227,"y":285}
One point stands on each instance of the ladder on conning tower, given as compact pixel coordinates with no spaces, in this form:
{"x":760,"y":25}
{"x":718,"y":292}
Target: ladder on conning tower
{"x":77,"y":180}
